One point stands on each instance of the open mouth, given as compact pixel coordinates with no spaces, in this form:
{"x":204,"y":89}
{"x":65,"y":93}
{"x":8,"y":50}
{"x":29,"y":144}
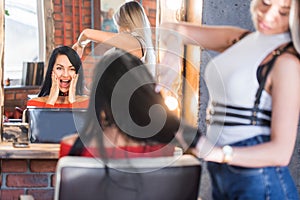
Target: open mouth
{"x":65,"y":83}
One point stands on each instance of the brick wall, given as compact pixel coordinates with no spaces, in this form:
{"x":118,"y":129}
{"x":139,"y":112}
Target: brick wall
{"x":17,"y":97}
{"x":150,"y":9}
{"x":33,"y":177}
{"x":70,"y":18}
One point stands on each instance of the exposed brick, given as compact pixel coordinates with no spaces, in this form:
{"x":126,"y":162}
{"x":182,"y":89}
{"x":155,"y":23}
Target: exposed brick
{"x":20,"y":91}
{"x":152,"y":13}
{"x":57,"y":16}
{"x":58,"y":41}
{"x":26,"y":180}
{"x":14,"y":165}
{"x":10,"y":194}
{"x":42,"y":194}
{"x":69,"y":34}
{"x":85,"y":7}
{"x":58,"y":25}
{"x":86,"y":19}
{"x":11,"y":100}
{"x":43,"y":165}
{"x":87,"y":4}
{"x":53,"y":179}
{"x":68,"y":10}
{"x":57,"y":8}
{"x":68,"y":18}
{"x":69,"y":42}
{"x":57,"y":2}
{"x":21,"y":95}
{"x":58,"y":33}
{"x":68,"y":2}
{"x":152,"y":22}
{"x":9,"y":96}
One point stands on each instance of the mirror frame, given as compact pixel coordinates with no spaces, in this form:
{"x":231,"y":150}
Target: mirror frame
{"x":49,"y":30}
{"x":1,"y":65}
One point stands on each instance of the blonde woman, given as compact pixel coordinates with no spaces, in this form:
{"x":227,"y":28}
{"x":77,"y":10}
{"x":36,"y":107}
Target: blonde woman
{"x":254,"y":86}
{"x":134,"y":34}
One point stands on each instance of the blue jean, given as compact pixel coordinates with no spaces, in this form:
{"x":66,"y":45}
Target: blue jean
{"x":232,"y":182}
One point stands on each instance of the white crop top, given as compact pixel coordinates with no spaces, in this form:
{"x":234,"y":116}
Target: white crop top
{"x":231,"y":80}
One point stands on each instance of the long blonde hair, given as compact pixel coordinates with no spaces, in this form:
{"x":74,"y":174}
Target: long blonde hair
{"x":294,"y":20}
{"x":132,"y":17}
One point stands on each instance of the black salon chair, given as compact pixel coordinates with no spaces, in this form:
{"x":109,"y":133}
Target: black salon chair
{"x":163,"y":178}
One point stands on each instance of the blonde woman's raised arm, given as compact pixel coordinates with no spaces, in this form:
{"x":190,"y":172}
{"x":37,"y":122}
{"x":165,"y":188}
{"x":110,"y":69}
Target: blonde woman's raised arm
{"x":217,"y":38}
{"x":123,"y":41}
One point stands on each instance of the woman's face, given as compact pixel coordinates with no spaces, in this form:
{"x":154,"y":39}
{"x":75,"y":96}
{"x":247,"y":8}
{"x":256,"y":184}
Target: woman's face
{"x":64,"y":71}
{"x":271,"y":16}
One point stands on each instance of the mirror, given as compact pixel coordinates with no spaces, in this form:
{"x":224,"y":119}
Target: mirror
{"x":100,"y":9}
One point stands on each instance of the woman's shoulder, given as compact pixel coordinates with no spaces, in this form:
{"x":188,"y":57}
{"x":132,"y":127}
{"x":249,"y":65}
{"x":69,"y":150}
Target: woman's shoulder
{"x":39,"y":99}
{"x":289,"y":59}
{"x":287,"y":65}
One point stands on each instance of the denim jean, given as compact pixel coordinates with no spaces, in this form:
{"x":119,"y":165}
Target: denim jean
{"x":232,"y":182}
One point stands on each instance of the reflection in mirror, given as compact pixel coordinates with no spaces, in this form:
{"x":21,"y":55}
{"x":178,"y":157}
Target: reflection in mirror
{"x":103,"y":20}
{"x":98,"y":13}
{"x":108,"y":8}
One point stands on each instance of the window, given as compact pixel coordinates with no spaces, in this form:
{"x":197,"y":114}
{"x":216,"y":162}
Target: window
{"x":24,"y":36}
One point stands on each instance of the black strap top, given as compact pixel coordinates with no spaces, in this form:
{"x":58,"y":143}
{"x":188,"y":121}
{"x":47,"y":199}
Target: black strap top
{"x":254,"y":119}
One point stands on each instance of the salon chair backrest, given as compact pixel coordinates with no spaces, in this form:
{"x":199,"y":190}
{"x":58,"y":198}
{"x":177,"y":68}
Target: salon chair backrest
{"x":163,"y":178}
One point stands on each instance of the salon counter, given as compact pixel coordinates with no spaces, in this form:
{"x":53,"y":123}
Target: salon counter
{"x":33,"y":151}
{"x":28,"y":171}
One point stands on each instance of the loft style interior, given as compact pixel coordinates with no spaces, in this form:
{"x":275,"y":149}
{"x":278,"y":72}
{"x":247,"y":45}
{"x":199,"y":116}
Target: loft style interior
{"x":59,"y":22}
{"x":51,"y":24}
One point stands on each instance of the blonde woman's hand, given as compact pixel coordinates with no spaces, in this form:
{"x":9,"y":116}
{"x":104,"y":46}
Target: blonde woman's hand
{"x":72,"y":89}
{"x":208,"y":151}
{"x":54,"y":91}
{"x":79,"y":49}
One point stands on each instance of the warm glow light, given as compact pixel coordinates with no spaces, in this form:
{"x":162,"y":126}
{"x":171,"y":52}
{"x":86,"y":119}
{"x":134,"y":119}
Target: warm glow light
{"x":173,"y":4}
{"x":171,"y":103}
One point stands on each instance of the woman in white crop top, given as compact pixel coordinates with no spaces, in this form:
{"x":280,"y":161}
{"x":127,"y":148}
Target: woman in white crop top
{"x":134,"y":34}
{"x":253,"y":114}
